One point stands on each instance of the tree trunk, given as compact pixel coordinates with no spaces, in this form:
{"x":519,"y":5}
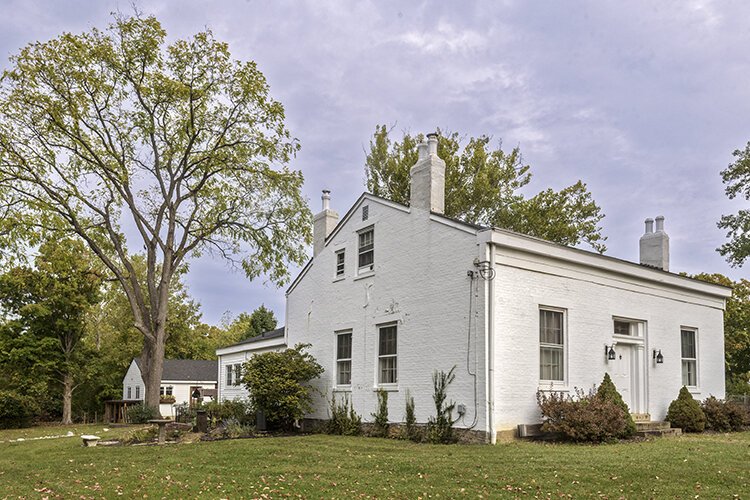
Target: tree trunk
{"x":67,"y":416}
{"x":152,"y":365}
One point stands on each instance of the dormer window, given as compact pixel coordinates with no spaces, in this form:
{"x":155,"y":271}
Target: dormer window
{"x":366,"y":250}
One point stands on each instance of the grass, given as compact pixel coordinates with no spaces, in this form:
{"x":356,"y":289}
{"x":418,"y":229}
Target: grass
{"x":711,"y":465}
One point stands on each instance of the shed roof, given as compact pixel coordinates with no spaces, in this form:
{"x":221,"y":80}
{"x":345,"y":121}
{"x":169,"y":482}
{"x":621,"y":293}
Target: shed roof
{"x":188,"y":369}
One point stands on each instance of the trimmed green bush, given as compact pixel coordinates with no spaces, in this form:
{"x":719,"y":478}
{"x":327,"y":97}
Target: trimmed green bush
{"x":140,"y":414}
{"x":16,"y":410}
{"x":724,"y":416}
{"x":685,"y":413}
{"x":608,"y":392}
{"x":278,"y":383}
{"x":583,"y":418}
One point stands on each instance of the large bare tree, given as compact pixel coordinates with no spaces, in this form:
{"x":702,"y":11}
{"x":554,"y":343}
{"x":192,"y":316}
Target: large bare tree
{"x":116,"y":132}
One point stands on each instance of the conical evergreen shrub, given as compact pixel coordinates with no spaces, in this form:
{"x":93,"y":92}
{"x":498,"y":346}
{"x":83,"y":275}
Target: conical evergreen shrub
{"x":686,"y":413}
{"x":608,"y":392}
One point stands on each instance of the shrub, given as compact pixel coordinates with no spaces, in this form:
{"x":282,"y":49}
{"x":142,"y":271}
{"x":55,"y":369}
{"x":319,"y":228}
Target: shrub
{"x":344,"y":420}
{"x":223,"y":411}
{"x":16,"y":410}
{"x":608,"y":392}
{"x":167,"y":399}
{"x":411,"y":430}
{"x":724,"y":416}
{"x":235,"y":429}
{"x":140,"y":413}
{"x":583,"y":418}
{"x":142,"y":435}
{"x":278,"y":384}
{"x":380,"y":427}
{"x":440,"y":427}
{"x":685,"y":413}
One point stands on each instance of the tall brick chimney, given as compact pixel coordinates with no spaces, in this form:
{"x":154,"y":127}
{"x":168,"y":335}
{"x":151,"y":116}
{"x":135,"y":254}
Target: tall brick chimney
{"x":428,"y":178}
{"x":323,"y":223}
{"x":655,"y":245}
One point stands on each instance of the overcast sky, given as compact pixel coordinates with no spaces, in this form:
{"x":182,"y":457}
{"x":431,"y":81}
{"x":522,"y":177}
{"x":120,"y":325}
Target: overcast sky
{"x":644,"y":102}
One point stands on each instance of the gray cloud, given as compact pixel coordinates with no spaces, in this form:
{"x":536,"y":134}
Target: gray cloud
{"x":643,"y":101}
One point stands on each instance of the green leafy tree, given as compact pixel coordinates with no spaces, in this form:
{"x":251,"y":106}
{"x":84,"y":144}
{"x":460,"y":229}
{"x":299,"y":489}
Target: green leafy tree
{"x":260,"y":321}
{"x":47,"y":305}
{"x":737,"y":179}
{"x":483,"y":185}
{"x":736,"y":332}
{"x":278,"y":383}
{"x":117,"y":128}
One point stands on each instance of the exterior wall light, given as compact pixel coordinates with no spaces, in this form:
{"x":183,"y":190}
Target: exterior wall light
{"x":609,"y":352}
{"x":658,"y":357}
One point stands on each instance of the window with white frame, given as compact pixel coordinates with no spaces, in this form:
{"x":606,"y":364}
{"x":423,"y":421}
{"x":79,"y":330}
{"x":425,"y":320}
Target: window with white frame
{"x":551,"y":345}
{"x":161,"y":390}
{"x":130,"y":393}
{"x":344,"y":358}
{"x":169,"y":390}
{"x":137,"y":392}
{"x":689,"y":354}
{"x":366,"y":249}
{"x":237,"y":373}
{"x":387,"y":355}
{"x":229,"y":375}
{"x":340,"y":261}
{"x":622,"y":327}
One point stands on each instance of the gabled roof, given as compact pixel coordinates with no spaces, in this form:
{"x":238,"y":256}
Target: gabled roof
{"x":353,"y":209}
{"x":273,"y":334}
{"x":188,"y":369}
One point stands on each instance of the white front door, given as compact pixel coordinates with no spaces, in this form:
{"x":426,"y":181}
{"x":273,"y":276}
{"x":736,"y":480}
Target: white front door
{"x":623,"y":373}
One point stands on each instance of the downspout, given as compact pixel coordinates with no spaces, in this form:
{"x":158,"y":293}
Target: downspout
{"x":490,"y":332}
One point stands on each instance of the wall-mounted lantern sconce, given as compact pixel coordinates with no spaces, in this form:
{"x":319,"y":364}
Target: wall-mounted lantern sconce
{"x":658,"y":357}
{"x":609,"y":352}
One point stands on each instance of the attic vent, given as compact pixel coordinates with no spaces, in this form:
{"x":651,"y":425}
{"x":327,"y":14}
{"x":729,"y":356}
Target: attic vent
{"x":365,"y":212}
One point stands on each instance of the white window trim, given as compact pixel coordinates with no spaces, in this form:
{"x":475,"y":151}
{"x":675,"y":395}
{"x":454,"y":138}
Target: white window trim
{"x":696,"y":387}
{"x":336,"y":385}
{"x":366,"y":270}
{"x":390,"y":386}
{"x":552,"y":385}
{"x":130,"y":393}
{"x":336,"y":275}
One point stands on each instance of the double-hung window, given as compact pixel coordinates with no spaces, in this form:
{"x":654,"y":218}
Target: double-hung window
{"x":130,"y":393}
{"x":366,"y":250}
{"x":551,"y":345}
{"x":387,"y":355}
{"x":230,"y":373}
{"x":344,"y":358}
{"x":689,"y":354}
{"x":137,"y":392}
{"x":340,"y":260}
{"x":237,"y":373}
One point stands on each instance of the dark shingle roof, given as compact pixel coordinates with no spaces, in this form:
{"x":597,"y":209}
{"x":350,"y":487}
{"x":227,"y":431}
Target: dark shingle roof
{"x":273,"y":334}
{"x":188,"y":369}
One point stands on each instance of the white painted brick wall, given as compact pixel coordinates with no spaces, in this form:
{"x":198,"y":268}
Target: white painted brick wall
{"x":525,"y":282}
{"x":420,"y":281}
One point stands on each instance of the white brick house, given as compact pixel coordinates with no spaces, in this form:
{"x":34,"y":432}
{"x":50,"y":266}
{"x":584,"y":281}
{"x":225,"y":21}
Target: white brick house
{"x":395,"y":292}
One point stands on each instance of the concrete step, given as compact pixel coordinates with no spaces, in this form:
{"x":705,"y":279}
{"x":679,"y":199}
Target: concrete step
{"x":641,"y":417}
{"x":652,"y":426}
{"x":671,"y":432}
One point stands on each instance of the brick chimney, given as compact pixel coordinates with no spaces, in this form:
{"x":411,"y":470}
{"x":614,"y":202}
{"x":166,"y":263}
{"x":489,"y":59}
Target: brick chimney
{"x":323,"y":223}
{"x":428,"y":178}
{"x":655,"y":245}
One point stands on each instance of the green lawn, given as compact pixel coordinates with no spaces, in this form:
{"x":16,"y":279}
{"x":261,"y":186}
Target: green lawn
{"x":341,"y":467}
